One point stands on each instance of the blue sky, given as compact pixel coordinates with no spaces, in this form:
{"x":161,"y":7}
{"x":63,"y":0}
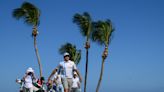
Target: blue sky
{"x":135,"y":62}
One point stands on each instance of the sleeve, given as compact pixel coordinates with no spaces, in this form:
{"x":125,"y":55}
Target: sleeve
{"x":56,"y":74}
{"x":61,"y":64}
{"x":74,"y":66}
{"x":52,"y":77}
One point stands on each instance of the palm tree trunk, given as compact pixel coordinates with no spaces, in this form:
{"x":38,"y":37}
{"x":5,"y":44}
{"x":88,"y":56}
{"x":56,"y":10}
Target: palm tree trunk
{"x":37,"y":55}
{"x":86,"y":70}
{"x":101,"y":74}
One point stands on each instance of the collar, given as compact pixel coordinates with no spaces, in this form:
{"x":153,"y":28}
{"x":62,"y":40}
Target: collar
{"x":67,"y":61}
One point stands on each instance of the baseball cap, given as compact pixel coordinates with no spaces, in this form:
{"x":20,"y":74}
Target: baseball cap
{"x":29,"y":70}
{"x":66,"y":54}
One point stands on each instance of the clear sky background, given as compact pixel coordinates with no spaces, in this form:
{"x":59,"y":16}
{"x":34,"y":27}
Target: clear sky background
{"x":136,"y":53}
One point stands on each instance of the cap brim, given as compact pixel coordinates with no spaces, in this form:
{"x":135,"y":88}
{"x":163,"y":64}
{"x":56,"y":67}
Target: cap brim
{"x":66,"y":55}
{"x":30,"y":71}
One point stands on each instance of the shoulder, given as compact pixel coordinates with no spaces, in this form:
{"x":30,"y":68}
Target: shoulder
{"x":61,"y":63}
{"x":71,"y":62}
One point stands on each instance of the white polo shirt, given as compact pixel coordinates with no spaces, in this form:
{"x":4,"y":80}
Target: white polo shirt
{"x":67,"y":67}
{"x":28,"y":82}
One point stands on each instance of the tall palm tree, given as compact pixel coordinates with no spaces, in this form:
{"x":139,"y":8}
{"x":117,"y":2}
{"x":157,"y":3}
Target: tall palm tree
{"x":85,"y":23}
{"x":75,"y":55}
{"x":31,"y":16}
{"x":102,"y":34}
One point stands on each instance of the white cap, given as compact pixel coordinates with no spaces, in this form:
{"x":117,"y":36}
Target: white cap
{"x":29,"y":70}
{"x":66,"y":54}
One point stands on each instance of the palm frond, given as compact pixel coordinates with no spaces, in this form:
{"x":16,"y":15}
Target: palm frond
{"x":77,"y":57}
{"x":83,"y":21}
{"x":102,"y":32}
{"x":110,"y":30}
{"x":87,"y":15}
{"x":18,"y":13}
{"x":98,"y":33}
{"x":29,"y":13}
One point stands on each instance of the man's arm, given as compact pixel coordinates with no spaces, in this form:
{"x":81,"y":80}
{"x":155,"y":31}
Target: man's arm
{"x":78,"y":73}
{"x":53,"y":72}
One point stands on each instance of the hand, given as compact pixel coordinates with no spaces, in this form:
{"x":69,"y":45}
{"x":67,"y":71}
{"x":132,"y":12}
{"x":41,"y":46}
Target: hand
{"x":32,"y":73}
{"x":80,"y":80}
{"x":49,"y":81}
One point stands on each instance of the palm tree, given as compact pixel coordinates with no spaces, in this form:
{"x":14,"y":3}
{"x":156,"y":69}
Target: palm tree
{"x":75,"y":55}
{"x":85,"y":23}
{"x":30,"y":15}
{"x":102,"y":34}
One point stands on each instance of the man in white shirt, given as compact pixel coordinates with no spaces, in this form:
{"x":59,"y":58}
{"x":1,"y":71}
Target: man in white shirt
{"x":66,"y":68}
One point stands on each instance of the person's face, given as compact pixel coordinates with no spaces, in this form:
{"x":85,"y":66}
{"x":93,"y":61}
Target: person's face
{"x":66,"y":58}
{"x":30,"y":73}
{"x":74,"y":75}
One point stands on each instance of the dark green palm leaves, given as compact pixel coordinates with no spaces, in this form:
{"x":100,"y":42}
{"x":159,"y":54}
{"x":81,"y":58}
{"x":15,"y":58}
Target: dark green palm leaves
{"x":102,"y":32}
{"x":84,"y":23}
{"x":28,"y":12}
